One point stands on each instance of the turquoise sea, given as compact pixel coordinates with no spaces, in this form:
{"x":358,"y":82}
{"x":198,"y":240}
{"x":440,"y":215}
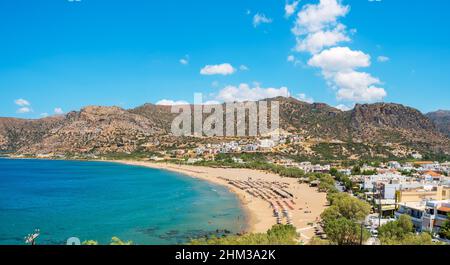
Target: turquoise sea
{"x":98,"y":200}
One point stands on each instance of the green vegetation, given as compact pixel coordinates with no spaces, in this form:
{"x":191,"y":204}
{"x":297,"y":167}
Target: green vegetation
{"x":344,"y":179}
{"x":445,"y":229}
{"x":357,"y":171}
{"x":253,"y":162}
{"x":115,"y":241}
{"x":408,"y":173}
{"x":326,"y":182}
{"x":332,"y":152}
{"x":277,"y":235}
{"x":401,"y":232}
{"x":128,"y":156}
{"x":343,"y":219}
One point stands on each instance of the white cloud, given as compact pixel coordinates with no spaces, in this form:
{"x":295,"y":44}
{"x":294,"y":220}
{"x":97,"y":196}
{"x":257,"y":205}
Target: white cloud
{"x":290,"y":9}
{"x":343,"y":107}
{"x":220,"y":69}
{"x":22,"y":102}
{"x":243,"y":68}
{"x":383,"y":59}
{"x":58,"y":111}
{"x":24,"y":110}
{"x":291,"y":58}
{"x":313,"y":18}
{"x":339,"y":59}
{"x":317,"y":28}
{"x":44,"y":115}
{"x":25,"y":106}
{"x":338,"y":67}
{"x":259,"y":19}
{"x":304,"y":98}
{"x":316,"y":41}
{"x":211,"y":102}
{"x":244,"y":92}
{"x":169,"y":102}
{"x":358,"y":86}
{"x":184,"y":60}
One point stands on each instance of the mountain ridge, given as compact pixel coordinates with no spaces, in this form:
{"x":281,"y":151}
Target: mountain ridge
{"x":99,"y":130}
{"x":442,"y":120}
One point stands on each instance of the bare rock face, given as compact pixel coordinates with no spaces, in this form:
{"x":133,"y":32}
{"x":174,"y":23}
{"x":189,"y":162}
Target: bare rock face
{"x":390,"y":115}
{"x":96,"y":129}
{"x":442,"y":120}
{"x":394,"y":123}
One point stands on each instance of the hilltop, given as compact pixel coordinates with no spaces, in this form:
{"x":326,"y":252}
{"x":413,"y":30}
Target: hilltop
{"x":381,"y":129}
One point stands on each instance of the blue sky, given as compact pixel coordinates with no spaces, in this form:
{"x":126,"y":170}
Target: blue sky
{"x":57,"y":56}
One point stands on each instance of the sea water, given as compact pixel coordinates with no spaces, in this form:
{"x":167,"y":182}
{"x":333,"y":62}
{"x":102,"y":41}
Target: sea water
{"x":99,"y":200}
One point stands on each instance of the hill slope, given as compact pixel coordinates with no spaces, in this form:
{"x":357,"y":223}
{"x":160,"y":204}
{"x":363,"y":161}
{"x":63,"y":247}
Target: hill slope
{"x":442,"y":120}
{"x":111,"y":129}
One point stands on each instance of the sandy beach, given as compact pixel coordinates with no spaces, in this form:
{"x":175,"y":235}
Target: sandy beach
{"x":305,"y":207}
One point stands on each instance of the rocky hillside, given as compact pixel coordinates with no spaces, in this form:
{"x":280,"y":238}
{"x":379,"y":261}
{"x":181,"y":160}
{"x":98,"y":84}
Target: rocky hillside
{"x":96,"y":130}
{"x":93,"y":129}
{"x":17,"y":133}
{"x":442,"y":120}
{"x":380,"y":123}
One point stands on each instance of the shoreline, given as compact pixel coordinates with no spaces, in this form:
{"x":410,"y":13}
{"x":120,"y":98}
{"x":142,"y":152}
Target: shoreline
{"x":249,"y":215}
{"x":258,"y":213}
{"x":309,"y":203}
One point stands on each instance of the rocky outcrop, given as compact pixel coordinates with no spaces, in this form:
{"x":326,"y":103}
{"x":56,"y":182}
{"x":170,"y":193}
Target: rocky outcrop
{"x":442,"y":120}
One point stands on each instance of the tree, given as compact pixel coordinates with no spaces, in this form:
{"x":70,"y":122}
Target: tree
{"x":343,"y":205}
{"x":277,"y":235}
{"x":396,"y":230}
{"x":356,"y":170}
{"x":342,"y":220}
{"x":334,"y":172}
{"x":90,"y":243}
{"x":445,"y":229}
{"x":401,"y":232}
{"x":342,"y":231}
{"x":115,"y":241}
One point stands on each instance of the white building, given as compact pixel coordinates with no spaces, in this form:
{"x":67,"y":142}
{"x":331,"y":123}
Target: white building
{"x":415,"y":210}
{"x":267,"y":143}
{"x":435,"y":215}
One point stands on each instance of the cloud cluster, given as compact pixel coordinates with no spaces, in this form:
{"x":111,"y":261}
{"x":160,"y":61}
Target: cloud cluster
{"x":259,"y":19}
{"x":343,"y":107}
{"x":383,"y":59}
{"x":58,"y":111}
{"x":303,"y":97}
{"x":339,"y":59}
{"x":169,"y":102}
{"x":245,"y":92}
{"x":24,"y":106}
{"x":290,"y":8}
{"x":219,"y":69}
{"x":319,"y":32}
